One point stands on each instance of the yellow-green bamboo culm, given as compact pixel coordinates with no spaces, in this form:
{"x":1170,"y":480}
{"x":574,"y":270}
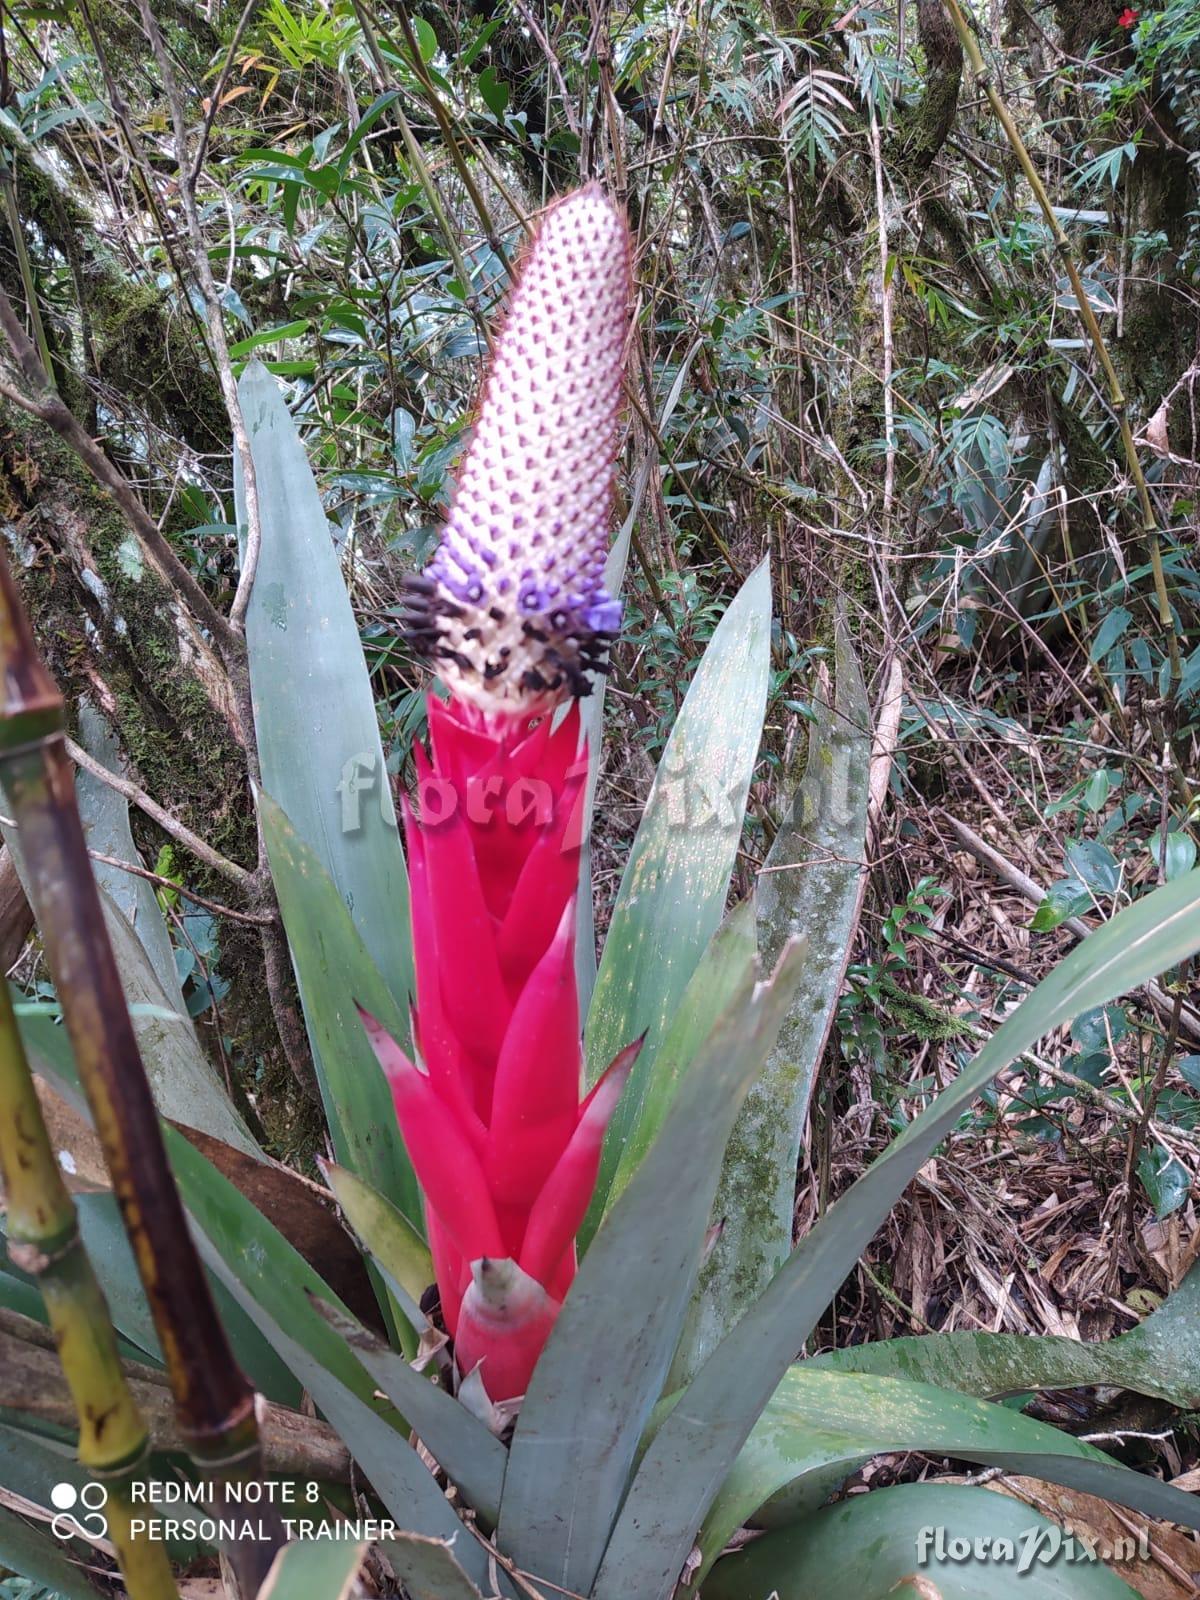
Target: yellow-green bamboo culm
{"x":214,"y":1404}
{"x":44,"y":1240}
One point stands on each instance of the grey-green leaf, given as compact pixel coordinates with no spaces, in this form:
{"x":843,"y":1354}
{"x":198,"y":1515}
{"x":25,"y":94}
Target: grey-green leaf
{"x":877,"y":1545}
{"x":275,"y":1287}
{"x":672,"y":895}
{"x":472,"y":1457}
{"x":808,"y":888}
{"x":1160,"y":1357}
{"x":314,"y":712}
{"x":430,"y":1569}
{"x":820,"y":1425}
{"x":184,"y":1084}
{"x":104,"y":814}
{"x":603,"y":1369}
{"x":696,"y":1446}
{"x":335,"y":970}
{"x":30,"y":1553}
{"x":314,"y":1569}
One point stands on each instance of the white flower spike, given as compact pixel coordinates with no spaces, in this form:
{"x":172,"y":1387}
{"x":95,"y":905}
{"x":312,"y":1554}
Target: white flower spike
{"x":512,"y":608}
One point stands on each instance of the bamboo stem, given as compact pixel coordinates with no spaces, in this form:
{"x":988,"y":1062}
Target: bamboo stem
{"x":214,"y":1404}
{"x":44,"y":1240}
{"x":1062,"y":246}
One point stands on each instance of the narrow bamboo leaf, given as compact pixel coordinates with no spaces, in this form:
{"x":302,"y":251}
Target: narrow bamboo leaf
{"x":275,"y":1287}
{"x":603,"y":1368}
{"x":314,"y":1569}
{"x":1160,"y":1357}
{"x":815,"y":1432}
{"x":431,"y":1571}
{"x":808,"y":886}
{"x":30,"y":1553}
{"x":885,"y":1544}
{"x":672,"y":895}
{"x":314,"y":712}
{"x":388,"y":1237}
{"x":472,"y":1457}
{"x":696,"y":1446}
{"x":334,"y":969}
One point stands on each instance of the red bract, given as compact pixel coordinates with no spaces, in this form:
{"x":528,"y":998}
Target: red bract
{"x":514,"y":613}
{"x":505,"y":1153}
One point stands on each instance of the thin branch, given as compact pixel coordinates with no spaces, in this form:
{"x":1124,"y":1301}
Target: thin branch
{"x":202,"y":268}
{"x":219,"y":89}
{"x":254,"y":918}
{"x":1008,"y":872}
{"x":190,"y":841}
{"x":1087,"y":316}
{"x":42,"y":402}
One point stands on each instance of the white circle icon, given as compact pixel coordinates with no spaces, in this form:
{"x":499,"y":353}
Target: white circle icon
{"x":63,"y":1496}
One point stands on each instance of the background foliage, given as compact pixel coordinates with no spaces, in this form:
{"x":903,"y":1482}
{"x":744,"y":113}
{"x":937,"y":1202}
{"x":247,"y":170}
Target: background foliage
{"x":856,"y":352}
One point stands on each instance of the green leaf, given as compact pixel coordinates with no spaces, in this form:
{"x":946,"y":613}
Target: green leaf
{"x":696,"y":1445}
{"x":809,"y":886}
{"x":314,"y":711}
{"x":426,"y":38}
{"x":431,"y":1572}
{"x":721,"y":977}
{"x":286,"y":330}
{"x":1180,"y":854}
{"x":314,"y":1569}
{"x":472,"y":1457}
{"x":603,"y":1368}
{"x":877,"y":1545}
{"x":275,"y":1286}
{"x":30,"y":1553}
{"x":1165,"y":1179}
{"x":820,"y":1425}
{"x":1159,"y":1357}
{"x":1109,"y":631}
{"x":388,"y":1237}
{"x":672,"y":895}
{"x":334,"y":970}
{"x":495,"y":93}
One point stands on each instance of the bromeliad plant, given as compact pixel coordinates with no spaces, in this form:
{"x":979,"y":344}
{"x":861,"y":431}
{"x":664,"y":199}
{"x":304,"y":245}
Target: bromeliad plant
{"x":513,"y":612}
{"x":606,"y":1210}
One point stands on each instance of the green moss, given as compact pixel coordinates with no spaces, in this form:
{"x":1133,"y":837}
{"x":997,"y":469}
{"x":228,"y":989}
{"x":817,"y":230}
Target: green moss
{"x":140,"y":342}
{"x":921,"y":1017}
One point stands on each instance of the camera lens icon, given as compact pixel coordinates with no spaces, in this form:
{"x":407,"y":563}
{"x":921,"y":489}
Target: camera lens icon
{"x":88,"y":1521}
